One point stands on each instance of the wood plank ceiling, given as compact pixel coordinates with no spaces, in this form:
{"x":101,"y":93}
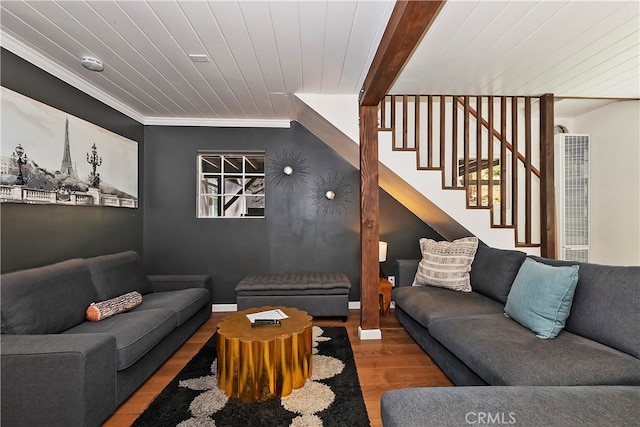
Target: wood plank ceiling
{"x":262,"y":52}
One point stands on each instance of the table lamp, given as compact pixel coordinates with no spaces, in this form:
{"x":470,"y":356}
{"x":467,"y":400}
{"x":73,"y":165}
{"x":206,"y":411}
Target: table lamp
{"x":382,"y":255}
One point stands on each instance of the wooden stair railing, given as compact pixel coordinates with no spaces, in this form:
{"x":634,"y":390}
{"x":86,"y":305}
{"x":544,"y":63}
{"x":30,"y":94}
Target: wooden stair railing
{"x":481,"y":144}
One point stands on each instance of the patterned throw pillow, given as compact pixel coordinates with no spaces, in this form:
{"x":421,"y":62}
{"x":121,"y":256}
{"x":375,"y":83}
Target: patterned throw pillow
{"x":446,"y":264}
{"x":101,"y":310}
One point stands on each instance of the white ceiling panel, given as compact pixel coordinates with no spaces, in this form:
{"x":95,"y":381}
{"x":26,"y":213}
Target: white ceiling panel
{"x":263,"y":51}
{"x":312,"y":18}
{"x":581,"y":49}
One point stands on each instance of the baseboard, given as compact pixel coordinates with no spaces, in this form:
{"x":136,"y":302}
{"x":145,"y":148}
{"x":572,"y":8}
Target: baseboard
{"x":369,"y":334}
{"x":224,"y":307}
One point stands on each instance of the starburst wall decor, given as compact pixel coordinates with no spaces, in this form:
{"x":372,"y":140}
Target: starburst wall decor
{"x":331,"y":194}
{"x":287,"y":170}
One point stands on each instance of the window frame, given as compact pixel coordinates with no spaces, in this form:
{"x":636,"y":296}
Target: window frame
{"x":209,"y":183}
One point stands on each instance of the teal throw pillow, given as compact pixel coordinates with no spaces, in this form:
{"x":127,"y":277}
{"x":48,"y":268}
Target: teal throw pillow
{"x":541,"y":296}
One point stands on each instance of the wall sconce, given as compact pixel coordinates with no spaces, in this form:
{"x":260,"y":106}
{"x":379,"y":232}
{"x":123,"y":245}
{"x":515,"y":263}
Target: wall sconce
{"x":331,"y":194}
{"x":287,"y":170}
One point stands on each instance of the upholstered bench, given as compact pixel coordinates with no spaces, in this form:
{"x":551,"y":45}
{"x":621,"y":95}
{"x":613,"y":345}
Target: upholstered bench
{"x":319,"y":294}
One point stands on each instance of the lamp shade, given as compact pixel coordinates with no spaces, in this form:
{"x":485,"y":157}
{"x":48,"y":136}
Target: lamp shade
{"x":382,"y":251}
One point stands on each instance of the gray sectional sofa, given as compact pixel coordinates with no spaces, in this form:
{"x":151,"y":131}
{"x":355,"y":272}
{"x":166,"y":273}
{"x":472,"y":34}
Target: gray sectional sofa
{"x":588,"y":375}
{"x":58,"y":369}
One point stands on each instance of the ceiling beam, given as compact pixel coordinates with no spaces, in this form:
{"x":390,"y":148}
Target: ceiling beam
{"x":409,"y":21}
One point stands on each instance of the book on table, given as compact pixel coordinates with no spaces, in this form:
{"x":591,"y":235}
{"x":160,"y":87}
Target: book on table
{"x":268,"y":317}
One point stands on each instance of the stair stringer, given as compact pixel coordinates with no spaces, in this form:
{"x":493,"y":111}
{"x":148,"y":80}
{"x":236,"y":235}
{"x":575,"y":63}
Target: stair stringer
{"x":331,"y":119}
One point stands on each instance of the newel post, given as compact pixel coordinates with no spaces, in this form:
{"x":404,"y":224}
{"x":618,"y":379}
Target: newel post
{"x":548,"y":221}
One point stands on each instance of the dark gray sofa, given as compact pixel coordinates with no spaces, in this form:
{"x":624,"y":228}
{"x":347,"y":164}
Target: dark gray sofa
{"x":58,"y":369}
{"x":595,"y":357}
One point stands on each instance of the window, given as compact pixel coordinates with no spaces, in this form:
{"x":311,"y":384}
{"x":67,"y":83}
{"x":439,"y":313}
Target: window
{"x":231,"y":185}
{"x":484,"y":181}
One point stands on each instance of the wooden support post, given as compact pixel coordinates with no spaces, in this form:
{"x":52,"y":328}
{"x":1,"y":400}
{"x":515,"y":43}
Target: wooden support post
{"x":407,"y":24}
{"x":369,"y":224}
{"x":548,"y":230}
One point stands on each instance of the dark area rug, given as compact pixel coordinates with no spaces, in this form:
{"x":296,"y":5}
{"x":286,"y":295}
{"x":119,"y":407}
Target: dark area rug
{"x":331,"y":397}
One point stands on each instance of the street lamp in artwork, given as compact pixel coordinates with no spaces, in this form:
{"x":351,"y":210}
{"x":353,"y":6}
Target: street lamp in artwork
{"x":94,"y":160}
{"x":20,"y":158}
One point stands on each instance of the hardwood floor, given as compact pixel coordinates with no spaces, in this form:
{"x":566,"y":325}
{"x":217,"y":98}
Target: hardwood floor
{"x":396,"y":361}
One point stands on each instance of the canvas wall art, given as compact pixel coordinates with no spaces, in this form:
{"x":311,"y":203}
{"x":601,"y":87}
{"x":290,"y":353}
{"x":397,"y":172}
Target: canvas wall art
{"x":49,"y":156}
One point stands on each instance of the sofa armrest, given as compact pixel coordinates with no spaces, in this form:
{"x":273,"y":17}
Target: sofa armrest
{"x":58,"y":379}
{"x":552,"y":406}
{"x":406,"y":271}
{"x":176,"y":282}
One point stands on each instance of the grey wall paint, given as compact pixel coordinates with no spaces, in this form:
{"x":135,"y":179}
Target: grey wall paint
{"x":34,"y":235}
{"x":294,"y":236}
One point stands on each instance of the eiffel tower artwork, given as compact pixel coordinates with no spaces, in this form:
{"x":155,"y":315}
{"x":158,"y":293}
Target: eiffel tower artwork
{"x":67,"y":166}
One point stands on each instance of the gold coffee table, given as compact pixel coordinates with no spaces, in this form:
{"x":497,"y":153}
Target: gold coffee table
{"x":257,"y":363}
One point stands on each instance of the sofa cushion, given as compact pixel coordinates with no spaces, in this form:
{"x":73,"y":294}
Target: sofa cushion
{"x":541,"y":297}
{"x":46,"y":300}
{"x":517,"y":406}
{"x":118,"y":274}
{"x":502,"y":352}
{"x":185,"y":303}
{"x":426,"y":303}
{"x":605,"y":305}
{"x":446,"y":264}
{"x":136,"y":332}
{"x":493,"y":271}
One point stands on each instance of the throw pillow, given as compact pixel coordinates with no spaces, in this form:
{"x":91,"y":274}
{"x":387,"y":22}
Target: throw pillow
{"x":494,"y":270}
{"x":541,"y":296}
{"x":446,"y":264}
{"x":101,"y":310}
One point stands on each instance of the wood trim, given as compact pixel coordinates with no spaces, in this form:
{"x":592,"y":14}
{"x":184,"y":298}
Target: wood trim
{"x":393,"y":122}
{"x":548,"y":231}
{"x":405,"y":104}
{"x":369,"y":218}
{"x":454,"y":143}
{"x":442,"y":135}
{"x":527,"y":170}
{"x":490,"y":105}
{"x":430,"y":131}
{"x":497,"y":135}
{"x":514,"y":164}
{"x":479,"y":154}
{"x":503,"y":157}
{"x":407,"y":24}
{"x":467,"y":138}
{"x":416,"y":129}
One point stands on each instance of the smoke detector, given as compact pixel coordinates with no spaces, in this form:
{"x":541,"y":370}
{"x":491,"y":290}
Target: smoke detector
{"x":91,"y":63}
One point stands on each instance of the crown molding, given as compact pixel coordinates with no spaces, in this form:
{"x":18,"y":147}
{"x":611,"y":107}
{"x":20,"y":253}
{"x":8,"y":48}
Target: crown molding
{"x":28,"y":54}
{"x":244,"y":123}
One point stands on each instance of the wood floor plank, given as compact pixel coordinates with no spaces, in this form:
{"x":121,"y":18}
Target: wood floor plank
{"x":395,"y":361}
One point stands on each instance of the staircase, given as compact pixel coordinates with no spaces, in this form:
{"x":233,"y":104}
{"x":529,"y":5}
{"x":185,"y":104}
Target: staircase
{"x":413,"y":172}
{"x":485,"y":147}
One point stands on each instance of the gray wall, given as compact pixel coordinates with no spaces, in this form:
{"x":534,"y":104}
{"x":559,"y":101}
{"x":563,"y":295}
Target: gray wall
{"x":293,"y":237}
{"x":34,"y":235}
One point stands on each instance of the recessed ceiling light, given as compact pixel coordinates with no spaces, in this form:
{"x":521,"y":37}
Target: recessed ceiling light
{"x":199,"y":58}
{"x":93,"y":64}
